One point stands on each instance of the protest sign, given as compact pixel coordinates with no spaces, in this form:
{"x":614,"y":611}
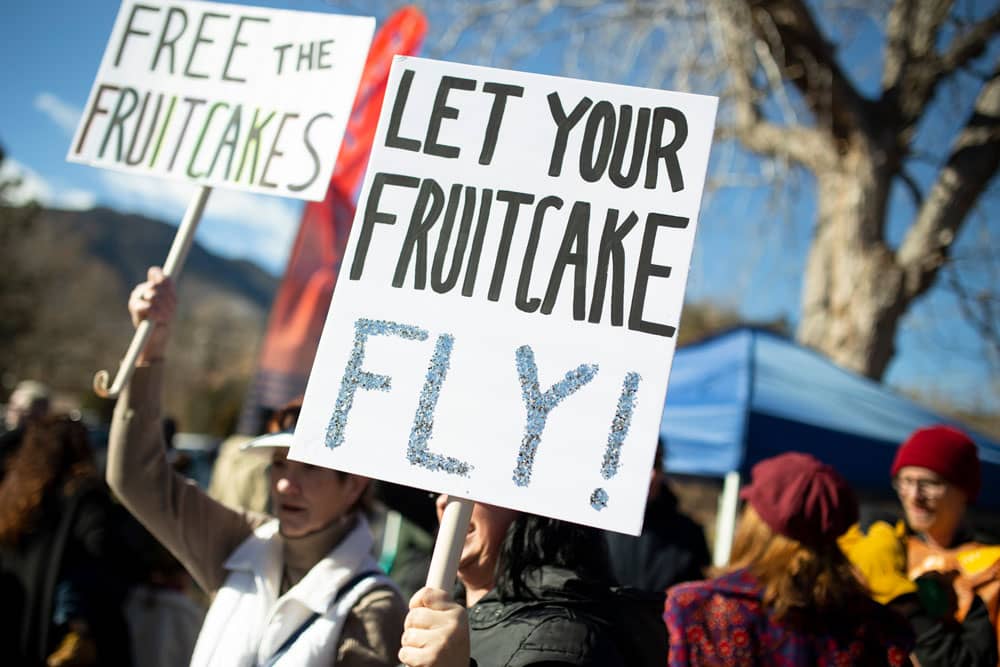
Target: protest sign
{"x":220,"y":95}
{"x":505,"y":319}
{"x":225,"y":95}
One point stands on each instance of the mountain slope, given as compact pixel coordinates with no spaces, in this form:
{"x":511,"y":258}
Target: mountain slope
{"x":67,"y":276}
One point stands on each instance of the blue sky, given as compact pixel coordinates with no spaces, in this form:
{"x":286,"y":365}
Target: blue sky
{"x":747,"y":256}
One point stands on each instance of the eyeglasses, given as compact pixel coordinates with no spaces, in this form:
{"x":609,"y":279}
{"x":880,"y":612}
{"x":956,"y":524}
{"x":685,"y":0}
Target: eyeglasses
{"x":932,"y":489}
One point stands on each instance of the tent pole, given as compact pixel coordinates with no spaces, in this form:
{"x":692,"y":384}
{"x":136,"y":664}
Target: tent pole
{"x":725,"y":518}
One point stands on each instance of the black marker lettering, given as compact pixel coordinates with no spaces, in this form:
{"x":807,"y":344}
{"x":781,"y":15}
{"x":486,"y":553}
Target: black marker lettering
{"x":610,"y":250}
{"x":440,"y":111}
{"x":439,"y":283}
{"x":95,"y":109}
{"x":392,"y":138}
{"x":129,"y":30}
{"x":264,"y":183}
{"x":416,"y":234}
{"x":372,"y":215}
{"x":199,"y":39}
{"x":500,"y":92}
{"x":312,"y":153}
{"x":564,"y":124}
{"x":647,"y":269}
{"x":521,"y":300}
{"x":169,"y":42}
{"x":572,"y":250}
{"x":669,"y":152}
{"x":226,"y":76}
{"x":472,"y":268}
{"x":514,"y":201}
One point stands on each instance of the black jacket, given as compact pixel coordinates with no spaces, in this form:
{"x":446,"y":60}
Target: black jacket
{"x":670,"y":550}
{"x":70,"y":544}
{"x":566,"y":621}
{"x":945,"y":642}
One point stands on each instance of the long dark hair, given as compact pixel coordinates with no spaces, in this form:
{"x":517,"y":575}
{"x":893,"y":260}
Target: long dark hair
{"x":533,"y":541}
{"x":54,"y":454}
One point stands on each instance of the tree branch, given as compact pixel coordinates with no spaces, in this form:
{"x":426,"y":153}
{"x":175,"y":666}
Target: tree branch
{"x":808,"y":61}
{"x":978,"y":312}
{"x":971,"y":44}
{"x":804,"y":145}
{"x":911,"y":30}
{"x":800,"y":144}
{"x":973,"y":161}
{"x":912,"y":187}
{"x":914,"y":68}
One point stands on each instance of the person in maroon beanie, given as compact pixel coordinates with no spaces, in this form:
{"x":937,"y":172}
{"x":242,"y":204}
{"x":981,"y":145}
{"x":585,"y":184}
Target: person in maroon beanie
{"x":931,"y":566}
{"x":789,"y":597}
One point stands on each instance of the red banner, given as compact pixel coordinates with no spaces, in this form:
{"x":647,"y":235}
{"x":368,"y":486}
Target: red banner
{"x":303,"y":299}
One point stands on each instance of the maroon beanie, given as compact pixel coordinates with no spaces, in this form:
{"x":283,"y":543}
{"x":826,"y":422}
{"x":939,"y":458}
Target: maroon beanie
{"x":801,"y":497}
{"x":945,"y":450}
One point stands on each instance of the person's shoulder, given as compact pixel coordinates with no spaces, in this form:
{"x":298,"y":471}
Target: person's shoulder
{"x":381,"y":606}
{"x":733,"y":591}
{"x":381,"y":595}
{"x":738,"y":583}
{"x":564,"y":638}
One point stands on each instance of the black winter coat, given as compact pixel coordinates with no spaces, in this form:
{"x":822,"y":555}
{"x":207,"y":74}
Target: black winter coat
{"x":670,"y":550}
{"x":71,"y":541}
{"x":566,"y":621}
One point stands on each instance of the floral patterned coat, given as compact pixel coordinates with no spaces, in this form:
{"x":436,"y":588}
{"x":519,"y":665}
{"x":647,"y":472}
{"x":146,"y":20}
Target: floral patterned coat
{"x":724,"y":622}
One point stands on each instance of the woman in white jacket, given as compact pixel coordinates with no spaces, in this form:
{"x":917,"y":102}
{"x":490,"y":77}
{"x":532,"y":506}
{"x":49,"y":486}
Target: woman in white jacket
{"x":300,"y":588}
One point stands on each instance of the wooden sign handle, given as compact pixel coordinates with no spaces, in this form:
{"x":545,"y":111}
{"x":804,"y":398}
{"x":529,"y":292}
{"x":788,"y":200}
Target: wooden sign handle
{"x":171,"y":269}
{"x":450,"y":540}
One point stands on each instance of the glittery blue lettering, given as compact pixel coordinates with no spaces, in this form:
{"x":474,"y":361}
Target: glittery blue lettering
{"x":620,"y":426}
{"x":354,"y":377}
{"x":616,"y":437}
{"x":417,"y":452}
{"x":538,"y":405}
{"x":599,"y":499}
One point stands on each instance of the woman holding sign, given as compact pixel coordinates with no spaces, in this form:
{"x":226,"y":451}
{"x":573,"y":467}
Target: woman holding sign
{"x":301,"y":587}
{"x":537,"y":592}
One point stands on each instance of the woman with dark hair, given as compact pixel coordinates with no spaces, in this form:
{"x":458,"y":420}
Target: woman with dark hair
{"x":789,"y":597}
{"x":538,"y":593}
{"x":61,"y":596}
{"x":300,"y":587}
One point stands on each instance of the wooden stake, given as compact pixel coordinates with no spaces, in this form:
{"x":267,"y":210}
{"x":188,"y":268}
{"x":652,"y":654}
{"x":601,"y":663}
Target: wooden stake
{"x":171,"y":269}
{"x":450,"y":540}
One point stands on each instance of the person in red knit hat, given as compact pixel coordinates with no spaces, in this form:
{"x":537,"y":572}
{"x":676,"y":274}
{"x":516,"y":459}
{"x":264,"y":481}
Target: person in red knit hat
{"x":936,"y":474}
{"x":930,"y":566}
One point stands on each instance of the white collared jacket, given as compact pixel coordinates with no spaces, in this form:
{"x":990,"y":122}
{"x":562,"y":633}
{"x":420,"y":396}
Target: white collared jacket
{"x":248,"y":622}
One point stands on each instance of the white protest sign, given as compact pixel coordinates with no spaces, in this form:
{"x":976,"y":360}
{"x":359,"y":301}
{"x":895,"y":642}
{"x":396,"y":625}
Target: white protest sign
{"x":504,"y":322}
{"x":225,"y":95}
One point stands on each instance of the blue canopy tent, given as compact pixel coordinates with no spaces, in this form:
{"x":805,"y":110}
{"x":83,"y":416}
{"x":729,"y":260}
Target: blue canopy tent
{"x":748,"y":394}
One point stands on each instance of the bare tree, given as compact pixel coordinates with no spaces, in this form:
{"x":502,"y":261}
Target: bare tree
{"x":789,"y":99}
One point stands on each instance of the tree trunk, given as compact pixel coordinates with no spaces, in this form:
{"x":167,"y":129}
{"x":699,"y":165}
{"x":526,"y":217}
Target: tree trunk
{"x":853,"y":293}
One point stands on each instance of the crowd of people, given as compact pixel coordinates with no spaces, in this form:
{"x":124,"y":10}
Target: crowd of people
{"x":303,"y":565}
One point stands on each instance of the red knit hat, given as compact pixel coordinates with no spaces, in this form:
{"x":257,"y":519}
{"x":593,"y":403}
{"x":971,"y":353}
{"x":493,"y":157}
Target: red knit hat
{"x":801,"y":497}
{"x":947,"y":451}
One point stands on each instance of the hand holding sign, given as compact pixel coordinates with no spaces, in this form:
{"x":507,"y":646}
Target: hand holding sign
{"x":154,"y":300}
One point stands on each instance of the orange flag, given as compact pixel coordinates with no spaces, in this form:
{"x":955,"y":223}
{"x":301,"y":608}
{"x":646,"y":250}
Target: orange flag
{"x":303,"y":299}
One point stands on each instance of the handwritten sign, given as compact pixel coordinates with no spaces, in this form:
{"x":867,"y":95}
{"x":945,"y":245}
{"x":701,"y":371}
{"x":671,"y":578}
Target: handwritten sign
{"x":225,"y":95}
{"x":505,"y":319}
